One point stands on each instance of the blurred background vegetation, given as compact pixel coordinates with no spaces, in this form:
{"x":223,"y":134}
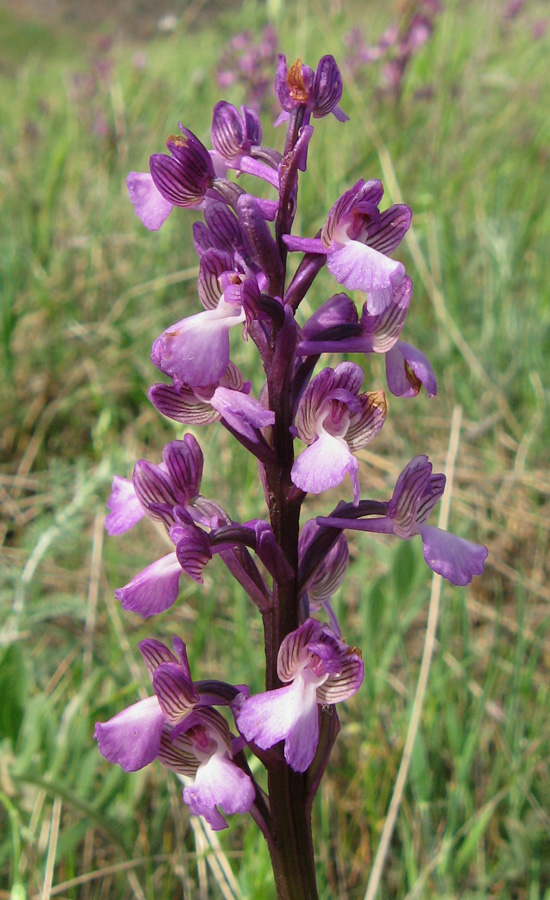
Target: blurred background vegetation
{"x":459,"y":129}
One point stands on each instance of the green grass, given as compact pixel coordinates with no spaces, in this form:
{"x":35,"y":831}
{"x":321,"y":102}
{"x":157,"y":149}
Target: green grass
{"x":85,"y":290}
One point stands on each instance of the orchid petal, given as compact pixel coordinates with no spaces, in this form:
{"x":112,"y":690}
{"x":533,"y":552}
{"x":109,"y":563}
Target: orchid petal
{"x":219,"y":782}
{"x":149,"y":204}
{"x":132,"y":737}
{"x":243,"y":413}
{"x":155,"y":653}
{"x":180,"y":350}
{"x":155,"y":589}
{"x":271,"y":717}
{"x":358,"y":267}
{"x":125,"y":508}
{"x":324,"y":465}
{"x":455,"y":558}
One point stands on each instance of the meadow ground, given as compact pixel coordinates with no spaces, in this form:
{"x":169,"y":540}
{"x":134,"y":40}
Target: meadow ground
{"x":85,"y":290}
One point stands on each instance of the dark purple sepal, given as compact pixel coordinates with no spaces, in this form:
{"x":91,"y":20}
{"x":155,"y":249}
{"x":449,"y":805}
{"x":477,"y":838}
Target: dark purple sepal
{"x":361,"y":199}
{"x":154,"y":490}
{"x":184,"y":177}
{"x":332,"y":568}
{"x":338,"y":310}
{"x":175,"y":691}
{"x":327,"y":89}
{"x":155,"y":653}
{"x":416,"y":492}
{"x":181,"y":405}
{"x":234,"y":132}
{"x":184,"y":463}
{"x":380,"y":332}
{"x":386,"y":232}
{"x":225,"y":230}
{"x":407,"y":369}
{"x":176,"y":753}
{"x":202,"y":239}
{"x":214,"y":262}
{"x":218,"y":693}
{"x":204,"y":512}
{"x":192,"y":549}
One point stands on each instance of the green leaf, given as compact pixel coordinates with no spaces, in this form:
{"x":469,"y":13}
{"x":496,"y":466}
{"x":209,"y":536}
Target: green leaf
{"x":13,"y":690}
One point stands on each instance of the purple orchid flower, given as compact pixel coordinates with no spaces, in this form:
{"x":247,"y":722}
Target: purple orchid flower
{"x":316,"y":668}
{"x":416,"y":493}
{"x":181,"y":179}
{"x":318,"y":91}
{"x":357,"y":240}
{"x":234,"y":136}
{"x":163,"y":493}
{"x":155,"y":490}
{"x":132,"y":738}
{"x":179,"y":728}
{"x":230,"y":300}
{"x":335,"y":420}
{"x":202,"y":749}
{"x":335,"y":328}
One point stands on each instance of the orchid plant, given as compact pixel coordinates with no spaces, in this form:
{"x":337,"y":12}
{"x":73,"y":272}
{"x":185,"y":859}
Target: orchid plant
{"x":205,"y":730}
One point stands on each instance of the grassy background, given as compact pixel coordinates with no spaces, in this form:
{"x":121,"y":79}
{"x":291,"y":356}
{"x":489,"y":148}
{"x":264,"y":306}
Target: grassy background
{"x":85,"y":289}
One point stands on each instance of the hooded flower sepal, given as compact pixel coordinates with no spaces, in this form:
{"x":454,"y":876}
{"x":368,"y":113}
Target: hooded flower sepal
{"x":317,"y":668}
{"x":335,"y":328}
{"x":155,"y":490}
{"x":175,"y":482}
{"x":416,"y":492}
{"x":181,"y":179}
{"x":192,"y":406}
{"x":234,"y":136}
{"x":203,"y":751}
{"x":220,"y":232}
{"x":184,"y":177}
{"x":407,"y":369}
